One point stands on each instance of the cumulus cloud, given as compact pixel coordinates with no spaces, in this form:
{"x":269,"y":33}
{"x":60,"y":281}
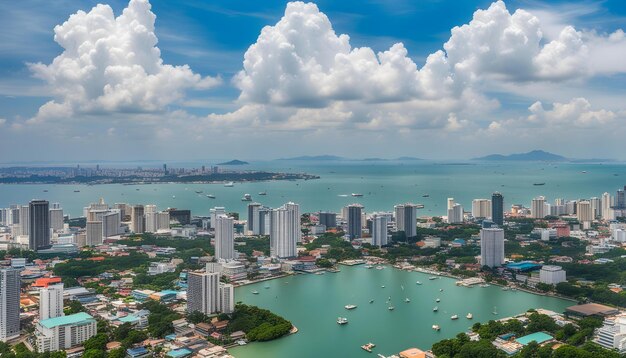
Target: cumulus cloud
{"x":112,"y":64}
{"x":577,"y":112}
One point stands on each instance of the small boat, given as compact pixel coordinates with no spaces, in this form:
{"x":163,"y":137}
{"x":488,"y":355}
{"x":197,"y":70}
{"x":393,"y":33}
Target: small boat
{"x":210,"y":196}
{"x":380,"y":267}
{"x":267,"y":286}
{"x":469,"y":316}
{"x":391,"y":308}
{"x":425,"y":196}
{"x":45,"y":190}
{"x":407,"y":300}
{"x":436,"y":327}
{"x":137,"y":189}
{"x":230,"y":184}
{"x":255,"y":292}
{"x":371,"y":301}
{"x":438,"y":300}
{"x":343,"y":195}
{"x":441,"y":290}
{"x":584,"y":172}
{"x":173,"y":196}
{"x":77,"y":191}
{"x":418,"y":283}
{"x":484,"y":285}
{"x":356,"y":195}
{"x":505,"y":288}
{"x":435,"y":309}
{"x":319,"y":273}
{"x":495,"y":310}
{"x":198,"y":191}
{"x":539,"y":184}
{"x":349,"y":307}
{"x":368,"y":347}
{"x":368,"y":266}
{"x":454,"y":317}
{"x":383,"y":286}
{"x":262,"y":193}
{"x":342,"y":320}
{"x":432,"y":278}
{"x":246,"y":197}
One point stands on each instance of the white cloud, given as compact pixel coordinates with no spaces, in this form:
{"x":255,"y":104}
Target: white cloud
{"x":112,"y":64}
{"x":577,"y":112}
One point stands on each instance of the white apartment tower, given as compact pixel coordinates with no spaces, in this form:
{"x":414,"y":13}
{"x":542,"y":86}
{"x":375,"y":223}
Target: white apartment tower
{"x":51,"y":301}
{"x":379,"y":230}
{"x":491,"y":247}
{"x":537,"y":208}
{"x":224,"y":238}
{"x":481,"y":208}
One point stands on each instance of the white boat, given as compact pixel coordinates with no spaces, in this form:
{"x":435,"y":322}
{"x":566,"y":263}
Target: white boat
{"x":380,"y":267}
{"x":357,"y":195}
{"x":255,"y":292}
{"x":418,"y":283}
{"x":371,"y":301}
{"x":210,"y":196}
{"x":484,"y":285}
{"x":349,"y":307}
{"x":495,"y":310}
{"x":407,"y":300}
{"x":438,"y":300}
{"x":454,"y":317}
{"x":469,"y":316}
{"x":383,"y":286}
{"x":267,"y":286}
{"x":262,"y":193}
{"x":432,"y":278}
{"x":230,"y":184}
{"x":342,"y":320}
{"x":435,"y":309}
{"x":505,"y":288}
{"x":436,"y":327}
{"x":441,"y":290}
{"x":173,"y":196}
{"x":391,"y":308}
{"x":246,"y":197}
{"x":368,"y":266}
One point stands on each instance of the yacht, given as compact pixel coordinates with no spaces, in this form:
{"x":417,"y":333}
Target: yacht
{"x":77,"y":191}
{"x":469,"y":316}
{"x":380,"y":267}
{"x":425,"y":196}
{"x":438,"y":300}
{"x":418,"y":283}
{"x":230,"y":184}
{"x":263,"y":193}
{"x":441,"y":290}
{"x":432,"y":278}
{"x":371,"y":301}
{"x":435,"y":309}
{"x":255,"y":292}
{"x":349,"y":307}
{"x":391,"y":308}
{"x":454,"y":317}
{"x":357,"y":195}
{"x":246,"y":197}
{"x":198,"y":191}
{"x":210,"y":196}
{"x":407,"y":300}
{"x":436,"y":327}
{"x":505,"y":288}
{"x":342,"y":320}
{"x":173,"y":196}
{"x":383,"y":286}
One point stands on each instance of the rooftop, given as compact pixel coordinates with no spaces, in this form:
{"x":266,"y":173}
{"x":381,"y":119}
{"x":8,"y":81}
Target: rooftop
{"x":591,"y":309}
{"x":66,"y":320}
{"x":539,"y":337}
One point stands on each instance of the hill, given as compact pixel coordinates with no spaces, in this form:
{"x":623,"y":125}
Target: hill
{"x":532,"y":156}
{"x":234,"y":162}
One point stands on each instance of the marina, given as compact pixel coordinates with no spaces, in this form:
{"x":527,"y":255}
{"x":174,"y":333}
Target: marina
{"x":314,"y":304}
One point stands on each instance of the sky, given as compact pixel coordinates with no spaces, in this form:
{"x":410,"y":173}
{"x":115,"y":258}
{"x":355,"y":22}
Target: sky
{"x":258,"y":80}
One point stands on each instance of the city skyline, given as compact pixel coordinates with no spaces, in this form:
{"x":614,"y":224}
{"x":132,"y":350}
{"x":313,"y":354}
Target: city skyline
{"x":201,"y":80}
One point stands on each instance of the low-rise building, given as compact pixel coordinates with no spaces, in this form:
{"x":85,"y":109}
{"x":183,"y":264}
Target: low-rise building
{"x":552,"y":274}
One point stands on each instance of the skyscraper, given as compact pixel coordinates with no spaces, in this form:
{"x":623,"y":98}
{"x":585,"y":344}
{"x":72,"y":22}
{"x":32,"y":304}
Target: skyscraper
{"x":355,"y":223}
{"x":491,"y":247}
{"x":455,"y":214}
{"x":497,"y":208}
{"x":584,"y":213}
{"x":283,"y":225}
{"x":379,"y":230}
{"x":56,"y":219}
{"x":328,"y":219}
{"x":214,"y":213}
{"x":51,"y":301}
{"x":481,"y":208}
{"x":10,"y":282}
{"x":39,"y":224}
{"x":137,"y":221}
{"x":450,"y":203}
{"x":226,"y":297}
{"x":607,"y":204}
{"x":406,"y":219}
{"x":224,"y":238}
{"x":253,"y":213}
{"x":24,"y":219}
{"x":93,"y":230}
{"x":596,"y":207}
{"x":294,"y":210}
{"x":203,"y":292}
{"x":620,"y":199}
{"x":537,"y":207}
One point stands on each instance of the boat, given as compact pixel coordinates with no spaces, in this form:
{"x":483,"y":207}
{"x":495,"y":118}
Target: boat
{"x":368,"y":266}
{"x":380,"y":267}
{"x":198,"y":191}
{"x":368,"y":347}
{"x":262,"y":193}
{"x":505,"y":288}
{"x":435,"y":309}
{"x":584,"y":172}
{"x":436,"y":327}
{"x":371,"y":301}
{"x":210,"y":196}
{"x":356,"y":195}
{"x":469,"y":316}
{"x":241,"y":342}
{"x":343,"y":195}
{"x":255,"y":292}
{"x":441,"y":290}
{"x":77,"y":191}
{"x":495,"y":310}
{"x":342,"y":320}
{"x":383,"y":286}
{"x":230,"y":184}
{"x":456,"y":316}
{"x":438,"y":300}
{"x":349,"y":307}
{"x":425,"y":196}
{"x":484,"y":285}
{"x":391,"y":308}
{"x":173,"y":196}
{"x":45,"y":190}
{"x":246,"y":197}
{"x":418,"y":283}
{"x":267,"y":286}
{"x":319,"y":273}
{"x":432,"y":278}
{"x":539,"y":184}
{"x":407,"y":300}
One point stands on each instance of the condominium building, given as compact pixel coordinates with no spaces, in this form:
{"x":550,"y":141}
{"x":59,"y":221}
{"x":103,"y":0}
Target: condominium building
{"x":455,"y":214}
{"x":537,"y":207}
{"x":284,"y":223}
{"x":497,"y":208}
{"x":39,"y":224}
{"x":406,"y":219}
{"x":481,"y":208}
{"x":208,"y":295}
{"x":51,"y":301}
{"x":355,"y":220}
{"x":491,"y":247}
{"x":60,"y":333}
{"x":224,"y":238}
{"x":10,"y":282}
{"x":137,"y":223}
{"x":93,"y":231}
{"x":56,"y":219}
{"x":379,"y":230}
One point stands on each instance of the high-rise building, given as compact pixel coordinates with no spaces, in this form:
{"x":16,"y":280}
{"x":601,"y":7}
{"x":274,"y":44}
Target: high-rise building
{"x":61,"y":333}
{"x":491,"y":247}
{"x":379,"y":230}
{"x":39,"y":224}
{"x":203,"y":292}
{"x":163,"y":220}
{"x":24,"y":219}
{"x":450,"y":203}
{"x":253,"y":214}
{"x":56,"y":219}
{"x":584,"y":213}
{"x":261,"y":225}
{"x":294,"y":210}
{"x":620,"y":199}
{"x":497,"y":208}
{"x":111,"y":223}
{"x":355,"y":221}
{"x":93,"y":230}
{"x":226,"y":297}
{"x":596,"y":207}
{"x":481,"y":208}
{"x":137,"y":223}
{"x":455,"y":214}
{"x":328,"y":219}
{"x":283,"y":224}
{"x":406,"y":219}
{"x":180,"y":216}
{"x":214,"y":213}
{"x":10,"y":282}
{"x":51,"y":301}
{"x":537,"y":207}
{"x":224,"y":238}
{"x":607,"y":204}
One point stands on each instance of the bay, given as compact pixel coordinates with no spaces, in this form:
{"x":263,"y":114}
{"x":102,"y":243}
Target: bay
{"x":313,"y":302}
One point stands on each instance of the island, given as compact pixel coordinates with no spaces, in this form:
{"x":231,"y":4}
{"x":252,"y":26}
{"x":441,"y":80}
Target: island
{"x":234,"y":162}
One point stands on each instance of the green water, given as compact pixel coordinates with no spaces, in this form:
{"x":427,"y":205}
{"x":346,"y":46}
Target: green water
{"x":382,"y":184}
{"x":313,"y":303}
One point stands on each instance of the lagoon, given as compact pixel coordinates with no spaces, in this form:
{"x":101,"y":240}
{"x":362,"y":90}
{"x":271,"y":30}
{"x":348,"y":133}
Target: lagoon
{"x":313,"y":303}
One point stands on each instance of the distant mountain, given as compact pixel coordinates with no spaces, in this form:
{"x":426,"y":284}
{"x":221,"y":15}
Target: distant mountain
{"x":408,"y":158}
{"x":315,"y":158}
{"x":533,"y":156}
{"x":234,"y":162}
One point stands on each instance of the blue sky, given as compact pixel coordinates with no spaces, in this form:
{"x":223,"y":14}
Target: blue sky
{"x":269,"y":109}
